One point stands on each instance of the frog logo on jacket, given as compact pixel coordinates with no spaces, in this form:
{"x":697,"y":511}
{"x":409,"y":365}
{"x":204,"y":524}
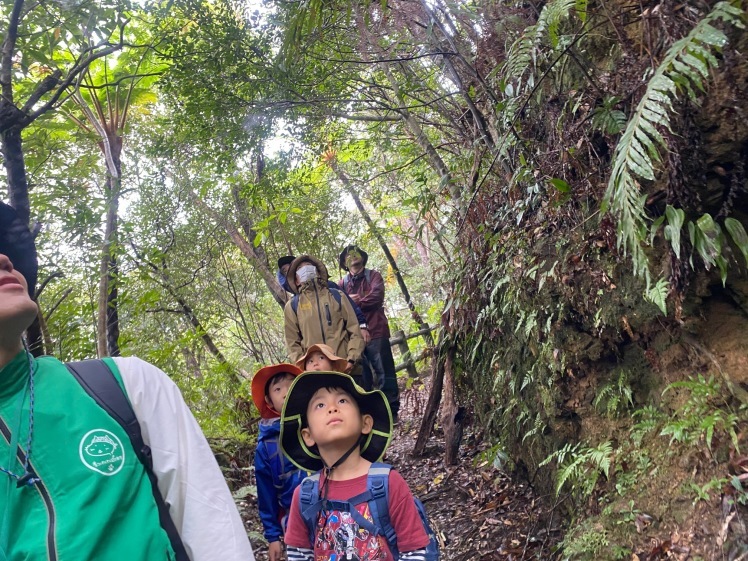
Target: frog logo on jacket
{"x":102,"y":451}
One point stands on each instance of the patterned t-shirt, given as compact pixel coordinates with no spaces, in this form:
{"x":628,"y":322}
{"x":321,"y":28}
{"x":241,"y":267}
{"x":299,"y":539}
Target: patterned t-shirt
{"x":340,"y":538}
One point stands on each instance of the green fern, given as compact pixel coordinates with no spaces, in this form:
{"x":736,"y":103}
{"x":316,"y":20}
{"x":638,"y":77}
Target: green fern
{"x":616,"y":396}
{"x":657,"y":294}
{"x":524,"y":52}
{"x":685,"y":66}
{"x":580,"y":467}
{"x":607,"y":119}
{"x":703,"y":413}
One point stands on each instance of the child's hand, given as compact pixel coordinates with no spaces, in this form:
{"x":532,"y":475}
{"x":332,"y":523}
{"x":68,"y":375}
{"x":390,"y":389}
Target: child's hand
{"x":275,"y":551}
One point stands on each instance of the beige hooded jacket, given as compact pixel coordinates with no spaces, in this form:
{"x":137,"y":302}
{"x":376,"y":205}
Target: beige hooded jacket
{"x":320,"y":317}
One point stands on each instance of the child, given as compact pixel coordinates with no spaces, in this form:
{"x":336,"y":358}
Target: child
{"x":321,"y":358}
{"x":332,"y":424}
{"x":276,"y":476}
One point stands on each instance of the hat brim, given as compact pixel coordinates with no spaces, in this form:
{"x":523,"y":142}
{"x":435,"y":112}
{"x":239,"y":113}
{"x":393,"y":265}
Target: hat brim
{"x":338,"y":364}
{"x":260,"y":380}
{"x":373,"y":403}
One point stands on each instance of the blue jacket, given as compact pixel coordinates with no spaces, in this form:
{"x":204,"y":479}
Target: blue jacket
{"x":283,"y":281}
{"x":276,"y":479}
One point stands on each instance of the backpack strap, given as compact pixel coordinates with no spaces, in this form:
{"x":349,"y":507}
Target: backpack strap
{"x":336,"y":294}
{"x":378,"y":483}
{"x":310,"y":505}
{"x":347,"y":278}
{"x":97,"y":379}
{"x":295,"y":303}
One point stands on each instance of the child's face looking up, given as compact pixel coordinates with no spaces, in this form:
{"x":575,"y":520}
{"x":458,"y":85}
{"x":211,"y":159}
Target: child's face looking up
{"x":318,"y":362}
{"x":278,"y":390}
{"x":334,"y":419}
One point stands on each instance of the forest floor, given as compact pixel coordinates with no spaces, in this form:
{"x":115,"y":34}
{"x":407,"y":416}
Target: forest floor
{"x":477,"y":510}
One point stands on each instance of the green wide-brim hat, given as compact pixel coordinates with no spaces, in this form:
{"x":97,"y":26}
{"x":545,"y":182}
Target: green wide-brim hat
{"x":293,"y":418}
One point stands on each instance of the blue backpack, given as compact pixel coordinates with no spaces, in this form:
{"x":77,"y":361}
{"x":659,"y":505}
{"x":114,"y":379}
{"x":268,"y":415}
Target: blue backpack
{"x":377,"y":495}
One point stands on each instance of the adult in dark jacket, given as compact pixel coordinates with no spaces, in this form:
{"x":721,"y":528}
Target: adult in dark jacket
{"x":366,"y":289}
{"x":314,"y":315}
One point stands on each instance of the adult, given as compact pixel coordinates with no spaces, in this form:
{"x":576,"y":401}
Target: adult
{"x":366,"y":289}
{"x":281,"y":275}
{"x":316,"y":314}
{"x":72,"y":486}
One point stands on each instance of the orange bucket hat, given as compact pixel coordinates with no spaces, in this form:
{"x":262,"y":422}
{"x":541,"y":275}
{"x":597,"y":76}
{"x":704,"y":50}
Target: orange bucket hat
{"x":260,"y":381}
{"x":338,"y":364}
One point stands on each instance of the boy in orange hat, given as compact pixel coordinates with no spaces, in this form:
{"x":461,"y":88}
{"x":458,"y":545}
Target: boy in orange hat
{"x":321,"y":358}
{"x":276,"y":476}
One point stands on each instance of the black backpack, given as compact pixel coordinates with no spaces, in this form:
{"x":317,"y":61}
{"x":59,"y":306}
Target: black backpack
{"x":99,"y":382}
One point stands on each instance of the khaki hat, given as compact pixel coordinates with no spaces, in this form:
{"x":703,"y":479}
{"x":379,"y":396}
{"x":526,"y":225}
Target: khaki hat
{"x":338,"y":364}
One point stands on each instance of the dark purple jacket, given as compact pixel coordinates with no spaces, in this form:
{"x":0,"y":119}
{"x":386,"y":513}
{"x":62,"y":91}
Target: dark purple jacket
{"x":372,"y":299}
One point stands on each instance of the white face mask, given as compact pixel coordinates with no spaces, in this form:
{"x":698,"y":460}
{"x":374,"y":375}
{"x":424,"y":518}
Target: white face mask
{"x":305,"y":273}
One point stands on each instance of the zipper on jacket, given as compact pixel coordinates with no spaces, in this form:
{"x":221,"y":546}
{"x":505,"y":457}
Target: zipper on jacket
{"x":319,"y":314}
{"x":327,"y":313}
{"x":42,"y":490}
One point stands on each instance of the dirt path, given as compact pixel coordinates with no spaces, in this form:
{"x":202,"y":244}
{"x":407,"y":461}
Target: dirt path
{"x":477,"y":511}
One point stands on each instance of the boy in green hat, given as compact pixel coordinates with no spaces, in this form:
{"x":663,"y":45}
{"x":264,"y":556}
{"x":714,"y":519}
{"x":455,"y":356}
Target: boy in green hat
{"x":331,"y":423}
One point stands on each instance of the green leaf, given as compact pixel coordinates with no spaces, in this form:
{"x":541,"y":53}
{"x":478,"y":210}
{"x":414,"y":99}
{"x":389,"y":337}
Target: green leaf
{"x":739,"y":236}
{"x":675,"y":219}
{"x":707,"y":240}
{"x":561,"y":185}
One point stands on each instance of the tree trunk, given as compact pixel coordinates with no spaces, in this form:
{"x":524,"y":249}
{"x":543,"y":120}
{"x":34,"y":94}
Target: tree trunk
{"x":108,"y":319}
{"x":432,"y":405}
{"x":451,"y":419}
{"x":345,"y":180}
{"x":15,"y":169}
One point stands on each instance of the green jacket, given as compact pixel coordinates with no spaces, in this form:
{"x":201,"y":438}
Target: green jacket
{"x":94,"y":500}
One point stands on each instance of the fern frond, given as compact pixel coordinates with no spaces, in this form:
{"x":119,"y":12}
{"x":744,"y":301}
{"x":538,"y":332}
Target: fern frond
{"x":657,"y":294}
{"x":685,"y":66}
{"x":523,"y":54}
{"x":551,"y":17}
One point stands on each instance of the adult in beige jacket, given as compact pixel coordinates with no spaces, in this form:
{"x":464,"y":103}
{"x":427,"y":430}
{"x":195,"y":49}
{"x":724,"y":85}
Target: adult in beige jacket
{"x":316,"y":315}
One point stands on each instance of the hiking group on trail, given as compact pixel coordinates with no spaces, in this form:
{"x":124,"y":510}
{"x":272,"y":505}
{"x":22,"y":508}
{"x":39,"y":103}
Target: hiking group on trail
{"x":104,"y":460}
